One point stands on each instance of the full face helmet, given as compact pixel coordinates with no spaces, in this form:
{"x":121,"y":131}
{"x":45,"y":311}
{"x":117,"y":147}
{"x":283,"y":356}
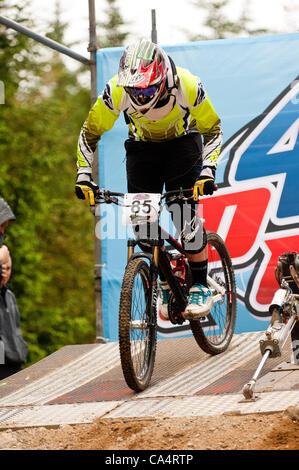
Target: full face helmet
{"x":143,"y":72}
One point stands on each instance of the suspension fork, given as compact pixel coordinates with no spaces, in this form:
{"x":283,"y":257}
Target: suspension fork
{"x":156,"y":255}
{"x":153,"y":258}
{"x":154,"y":271}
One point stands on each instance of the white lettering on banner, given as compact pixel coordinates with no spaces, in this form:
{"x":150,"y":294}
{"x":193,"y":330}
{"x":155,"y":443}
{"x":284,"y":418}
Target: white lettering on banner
{"x":226,"y":221}
{"x":246,"y":259}
{"x":294,"y":90}
{"x":288,"y":141}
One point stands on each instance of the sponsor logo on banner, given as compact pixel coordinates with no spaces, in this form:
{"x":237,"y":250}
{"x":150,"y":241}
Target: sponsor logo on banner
{"x":255,"y":209}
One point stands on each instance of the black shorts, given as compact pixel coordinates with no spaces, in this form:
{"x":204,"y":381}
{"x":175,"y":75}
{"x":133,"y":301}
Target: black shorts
{"x":173,"y":164}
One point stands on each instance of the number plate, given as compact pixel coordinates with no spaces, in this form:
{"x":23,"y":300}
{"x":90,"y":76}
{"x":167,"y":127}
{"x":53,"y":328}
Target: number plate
{"x":140,"y":208}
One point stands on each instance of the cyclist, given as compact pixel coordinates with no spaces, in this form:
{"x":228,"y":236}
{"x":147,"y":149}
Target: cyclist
{"x":167,"y":111}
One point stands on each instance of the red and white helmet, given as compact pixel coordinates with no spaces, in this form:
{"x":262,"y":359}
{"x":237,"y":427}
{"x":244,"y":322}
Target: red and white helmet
{"x":142,"y":72}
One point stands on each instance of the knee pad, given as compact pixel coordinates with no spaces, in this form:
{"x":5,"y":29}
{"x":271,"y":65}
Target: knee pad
{"x":195,"y":241}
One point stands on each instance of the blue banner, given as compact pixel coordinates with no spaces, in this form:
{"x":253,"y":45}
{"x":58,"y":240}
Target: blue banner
{"x":253,"y":84}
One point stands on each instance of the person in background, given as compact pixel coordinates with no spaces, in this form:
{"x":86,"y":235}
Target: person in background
{"x":13,"y":348}
{"x":6,"y":215}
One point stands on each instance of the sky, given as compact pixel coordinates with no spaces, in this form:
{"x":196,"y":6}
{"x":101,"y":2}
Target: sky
{"x":173,"y":17}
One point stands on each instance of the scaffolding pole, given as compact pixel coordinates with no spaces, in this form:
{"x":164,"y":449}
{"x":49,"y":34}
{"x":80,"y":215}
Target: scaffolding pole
{"x":92,"y":48}
{"x":43,"y":40}
{"x":154,"y":28}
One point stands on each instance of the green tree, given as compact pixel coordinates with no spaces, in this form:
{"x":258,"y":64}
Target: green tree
{"x":17,"y":53}
{"x":67,"y":237}
{"x":52,"y":240}
{"x":219,"y":25}
{"x":112,"y":32}
{"x":18,"y":65}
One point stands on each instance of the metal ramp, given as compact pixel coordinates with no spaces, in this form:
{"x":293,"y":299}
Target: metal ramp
{"x":78,"y":384}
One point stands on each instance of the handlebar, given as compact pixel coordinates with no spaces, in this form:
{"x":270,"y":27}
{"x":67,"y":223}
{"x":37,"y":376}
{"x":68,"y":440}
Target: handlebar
{"x":108,"y":197}
{"x":111,"y":197}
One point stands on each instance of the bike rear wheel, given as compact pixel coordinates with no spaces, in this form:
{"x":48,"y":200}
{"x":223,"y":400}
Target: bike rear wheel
{"x":214,"y":332}
{"x":137,"y":326}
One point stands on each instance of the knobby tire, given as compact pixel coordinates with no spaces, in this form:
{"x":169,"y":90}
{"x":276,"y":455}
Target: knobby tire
{"x":137,"y":346}
{"x":223,"y":313}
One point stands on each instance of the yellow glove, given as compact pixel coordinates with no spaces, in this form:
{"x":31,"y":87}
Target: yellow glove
{"x":85,"y":188}
{"x":205,"y":184}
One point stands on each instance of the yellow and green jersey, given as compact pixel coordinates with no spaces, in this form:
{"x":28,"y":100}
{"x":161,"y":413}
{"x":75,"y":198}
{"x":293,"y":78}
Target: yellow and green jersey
{"x":187,"y":109}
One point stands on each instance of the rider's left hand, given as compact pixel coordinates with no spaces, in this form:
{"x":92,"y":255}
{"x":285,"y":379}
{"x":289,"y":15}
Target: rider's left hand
{"x":205,"y":183}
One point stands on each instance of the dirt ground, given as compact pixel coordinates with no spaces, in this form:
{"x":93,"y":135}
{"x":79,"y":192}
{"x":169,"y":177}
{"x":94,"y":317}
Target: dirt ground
{"x":277,"y":431}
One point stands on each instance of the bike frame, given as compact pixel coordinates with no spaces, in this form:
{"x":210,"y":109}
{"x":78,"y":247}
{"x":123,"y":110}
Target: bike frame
{"x":159,"y":259}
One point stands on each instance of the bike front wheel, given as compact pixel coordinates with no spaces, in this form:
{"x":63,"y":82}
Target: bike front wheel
{"x":214,"y":332}
{"x":137,"y":325}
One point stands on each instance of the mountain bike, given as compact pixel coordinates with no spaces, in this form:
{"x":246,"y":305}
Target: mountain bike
{"x":139,"y":291}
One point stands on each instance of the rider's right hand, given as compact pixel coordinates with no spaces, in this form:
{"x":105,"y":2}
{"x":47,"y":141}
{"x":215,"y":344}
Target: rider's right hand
{"x":85,"y":186}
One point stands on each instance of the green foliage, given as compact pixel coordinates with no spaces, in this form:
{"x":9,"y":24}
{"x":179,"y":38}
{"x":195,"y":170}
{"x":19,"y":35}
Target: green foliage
{"x":52,"y":240}
{"x":111,"y":31}
{"x":219,"y":25}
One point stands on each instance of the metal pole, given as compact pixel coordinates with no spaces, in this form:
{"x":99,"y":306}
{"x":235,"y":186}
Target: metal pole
{"x":154,"y":29}
{"x":248,"y":389}
{"x":46,"y":41}
{"x":92,"y":48}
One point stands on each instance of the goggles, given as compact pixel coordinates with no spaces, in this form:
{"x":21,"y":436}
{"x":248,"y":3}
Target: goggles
{"x":139,"y":92}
